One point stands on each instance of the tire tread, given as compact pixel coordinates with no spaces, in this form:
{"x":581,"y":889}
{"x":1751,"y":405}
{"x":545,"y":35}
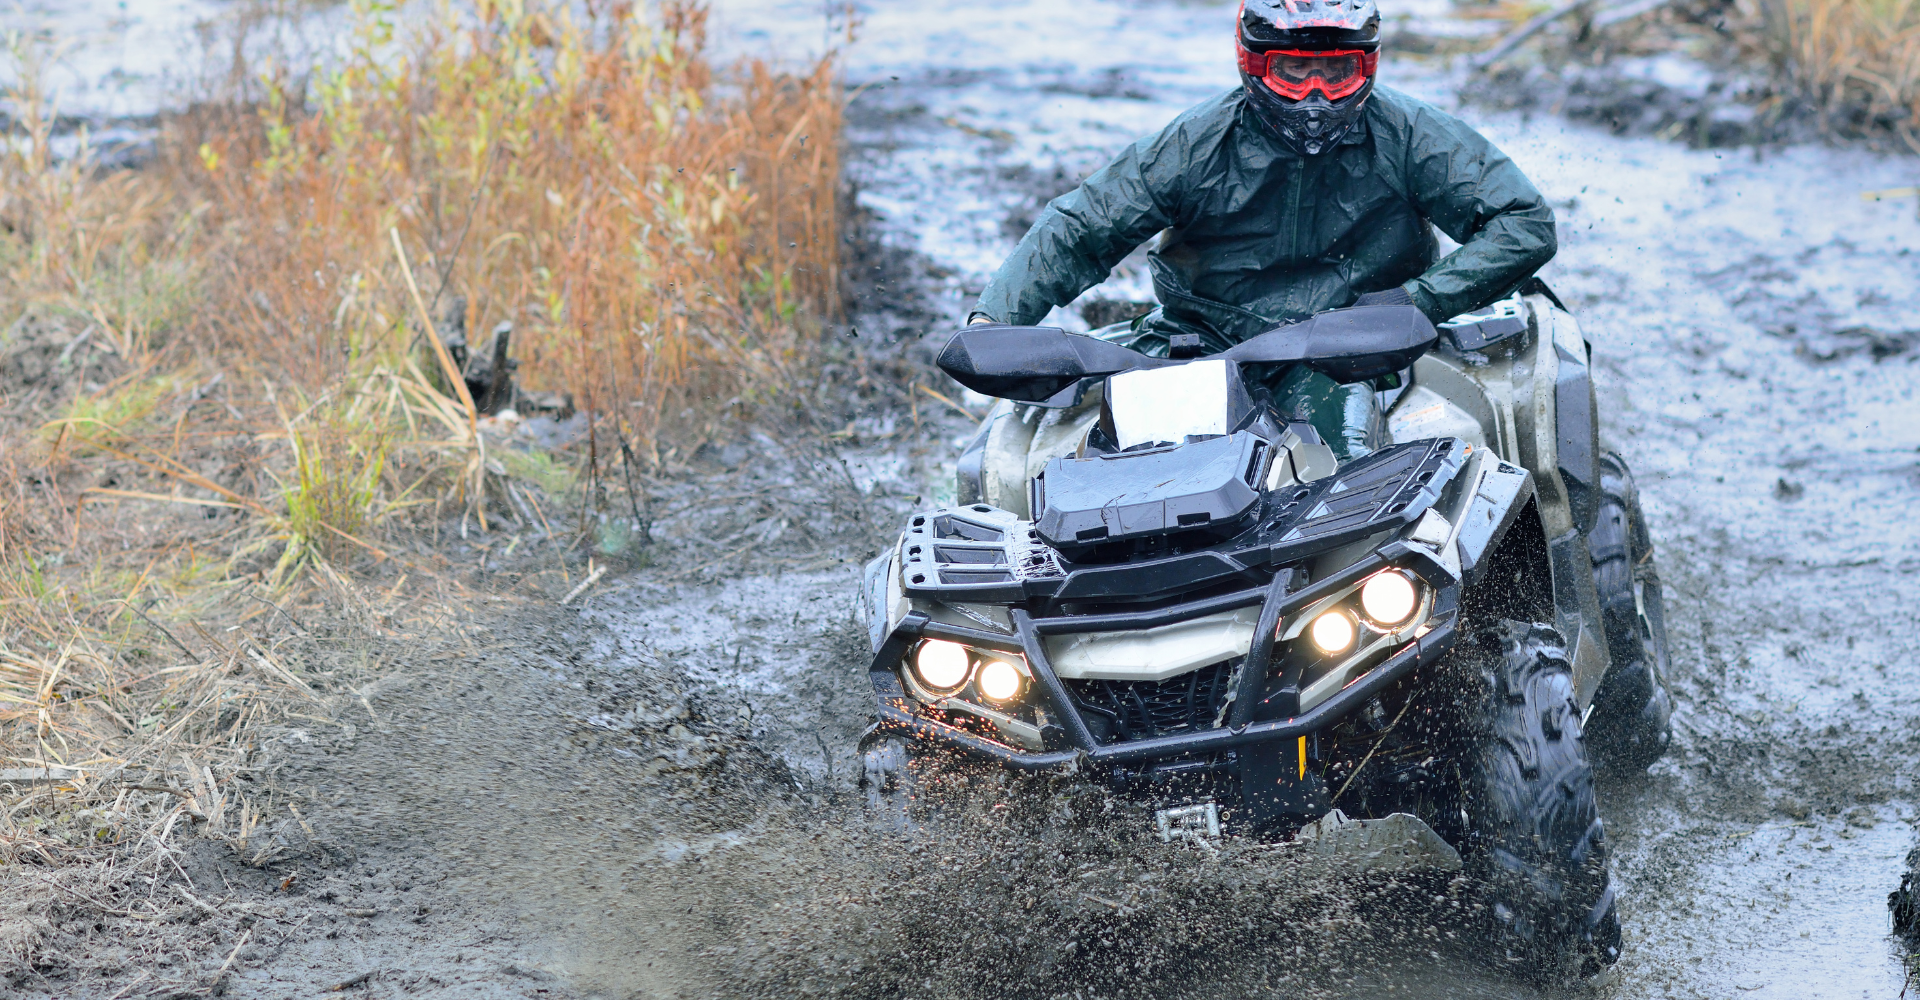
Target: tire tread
{"x":1534,"y":811}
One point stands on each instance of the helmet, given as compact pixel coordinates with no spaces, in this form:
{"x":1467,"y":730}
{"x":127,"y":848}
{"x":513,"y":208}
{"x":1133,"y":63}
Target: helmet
{"x":1308,"y":66}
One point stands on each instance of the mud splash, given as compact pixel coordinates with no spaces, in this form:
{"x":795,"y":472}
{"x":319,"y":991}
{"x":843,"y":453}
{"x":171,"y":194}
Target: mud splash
{"x":634,"y":838}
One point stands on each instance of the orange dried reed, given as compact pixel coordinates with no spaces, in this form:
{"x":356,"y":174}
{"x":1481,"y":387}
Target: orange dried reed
{"x":657,"y":233}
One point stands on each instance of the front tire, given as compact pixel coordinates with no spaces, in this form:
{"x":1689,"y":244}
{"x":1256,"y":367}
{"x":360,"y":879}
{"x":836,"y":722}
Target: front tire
{"x":1535,"y":831}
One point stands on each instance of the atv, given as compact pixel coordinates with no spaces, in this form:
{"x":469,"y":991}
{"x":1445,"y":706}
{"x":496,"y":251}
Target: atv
{"x":1153,"y":579}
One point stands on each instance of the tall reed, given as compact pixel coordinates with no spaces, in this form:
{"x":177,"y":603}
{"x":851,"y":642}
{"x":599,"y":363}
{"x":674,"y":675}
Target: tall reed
{"x":1857,"y":62}
{"x":658,"y":233}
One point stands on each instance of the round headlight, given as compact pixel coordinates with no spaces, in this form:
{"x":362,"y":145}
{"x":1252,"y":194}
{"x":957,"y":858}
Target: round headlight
{"x":999,"y":680}
{"x":1333,"y":632}
{"x":942,"y":665}
{"x":1389,"y":598}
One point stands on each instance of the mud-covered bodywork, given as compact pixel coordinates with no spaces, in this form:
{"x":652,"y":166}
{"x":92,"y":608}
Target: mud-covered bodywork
{"x":1517,"y":379}
{"x":1123,"y":668}
{"x":1154,"y":598}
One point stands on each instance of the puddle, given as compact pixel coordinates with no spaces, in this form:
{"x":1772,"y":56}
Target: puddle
{"x":1787,"y":911}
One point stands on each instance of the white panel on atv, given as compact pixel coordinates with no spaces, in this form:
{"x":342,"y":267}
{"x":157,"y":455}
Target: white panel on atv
{"x":1169,"y":404}
{"x":1297,"y":461}
{"x":1153,"y":654}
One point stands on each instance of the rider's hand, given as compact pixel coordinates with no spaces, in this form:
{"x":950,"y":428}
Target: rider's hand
{"x":976,"y":319}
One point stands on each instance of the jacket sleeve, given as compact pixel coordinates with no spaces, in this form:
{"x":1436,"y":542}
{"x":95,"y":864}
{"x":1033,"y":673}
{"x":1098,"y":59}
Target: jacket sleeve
{"x":1480,"y":199}
{"x":1083,"y":234}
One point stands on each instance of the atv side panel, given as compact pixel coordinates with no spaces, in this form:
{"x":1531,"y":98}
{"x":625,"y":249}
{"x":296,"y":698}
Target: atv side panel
{"x":1513,"y":391}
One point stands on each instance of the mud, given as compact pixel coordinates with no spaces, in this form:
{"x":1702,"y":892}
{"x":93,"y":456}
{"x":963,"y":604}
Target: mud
{"x":567,"y":813}
{"x":652,"y":794}
{"x":1666,"y":95}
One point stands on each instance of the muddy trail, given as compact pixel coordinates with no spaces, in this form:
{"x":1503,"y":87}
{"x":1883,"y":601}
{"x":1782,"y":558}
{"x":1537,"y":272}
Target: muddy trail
{"x":651,"y":793}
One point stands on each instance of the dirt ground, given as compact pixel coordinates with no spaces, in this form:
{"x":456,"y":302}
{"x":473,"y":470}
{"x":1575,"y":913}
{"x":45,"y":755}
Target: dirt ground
{"x":651,"y":793}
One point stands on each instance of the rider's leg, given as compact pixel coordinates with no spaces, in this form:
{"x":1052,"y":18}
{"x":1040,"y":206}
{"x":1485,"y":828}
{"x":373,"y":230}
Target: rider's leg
{"x":1138,"y":334}
{"x":1347,"y":416}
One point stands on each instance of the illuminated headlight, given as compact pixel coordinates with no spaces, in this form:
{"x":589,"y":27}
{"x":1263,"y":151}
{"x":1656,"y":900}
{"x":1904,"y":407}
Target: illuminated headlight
{"x":942,"y":665}
{"x":998,"y":681}
{"x":1332,"y":632}
{"x":1389,"y":598}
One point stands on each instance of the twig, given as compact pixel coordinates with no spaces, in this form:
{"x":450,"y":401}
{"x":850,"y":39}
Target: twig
{"x":197,"y":901}
{"x":137,"y":980}
{"x":592,"y":578}
{"x":446,"y":273}
{"x":161,"y":788}
{"x":369,"y":546}
{"x":283,"y":611}
{"x":355,"y":981}
{"x":97,"y":905}
{"x":957,"y":408}
{"x":1519,"y":36}
{"x":214,"y":985}
{"x":157,"y":627}
{"x":1371,"y":751}
{"x":644,"y":524}
{"x":1626,"y":12}
{"x":447,"y":366}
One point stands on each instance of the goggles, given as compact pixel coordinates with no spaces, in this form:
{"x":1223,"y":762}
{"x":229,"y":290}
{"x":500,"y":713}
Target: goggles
{"x":1295,"y":73}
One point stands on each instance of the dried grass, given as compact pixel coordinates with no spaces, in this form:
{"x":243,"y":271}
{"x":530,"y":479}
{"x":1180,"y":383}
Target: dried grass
{"x":240,"y":403}
{"x":1855,"y":62}
{"x":656,"y":235}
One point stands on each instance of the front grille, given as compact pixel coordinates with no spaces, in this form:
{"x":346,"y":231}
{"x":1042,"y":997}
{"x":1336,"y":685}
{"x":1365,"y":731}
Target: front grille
{"x":1138,"y":710}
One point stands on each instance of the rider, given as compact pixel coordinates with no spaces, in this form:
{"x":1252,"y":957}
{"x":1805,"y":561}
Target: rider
{"x":1307,"y":188}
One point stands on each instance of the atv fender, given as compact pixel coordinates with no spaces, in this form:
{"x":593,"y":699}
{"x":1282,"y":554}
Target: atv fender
{"x":1530,"y":399}
{"x":1559,"y":441}
{"x":1493,"y":494}
{"x":882,"y":599}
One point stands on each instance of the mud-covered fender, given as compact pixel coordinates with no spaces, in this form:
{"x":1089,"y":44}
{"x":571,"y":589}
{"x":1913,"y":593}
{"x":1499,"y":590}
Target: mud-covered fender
{"x":1492,"y":497}
{"x":1493,"y":494}
{"x":1576,"y":432}
{"x":881,"y":598}
{"x":969,"y":471}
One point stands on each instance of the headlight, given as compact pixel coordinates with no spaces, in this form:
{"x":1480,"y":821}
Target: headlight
{"x":1389,"y":598}
{"x":999,"y":681}
{"x":1333,"y":632}
{"x":942,"y":665}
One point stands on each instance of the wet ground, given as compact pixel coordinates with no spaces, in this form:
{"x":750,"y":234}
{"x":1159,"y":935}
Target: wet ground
{"x":1753,"y":321}
{"x":650,"y":796}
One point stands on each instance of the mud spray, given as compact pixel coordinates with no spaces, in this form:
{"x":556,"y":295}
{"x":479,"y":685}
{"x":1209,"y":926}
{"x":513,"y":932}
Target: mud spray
{"x":630,"y":830}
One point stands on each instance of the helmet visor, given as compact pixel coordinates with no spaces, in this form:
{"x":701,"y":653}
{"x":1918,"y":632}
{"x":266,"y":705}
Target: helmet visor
{"x":1295,"y":73}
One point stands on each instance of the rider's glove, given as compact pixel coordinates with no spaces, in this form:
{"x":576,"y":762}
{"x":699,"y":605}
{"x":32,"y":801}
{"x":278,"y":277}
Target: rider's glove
{"x":1395,"y":296}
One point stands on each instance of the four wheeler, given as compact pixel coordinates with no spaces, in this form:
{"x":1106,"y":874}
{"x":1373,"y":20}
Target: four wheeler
{"x":1153,"y":579}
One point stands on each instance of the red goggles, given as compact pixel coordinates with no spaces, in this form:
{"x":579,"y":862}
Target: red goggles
{"x":1295,"y":73}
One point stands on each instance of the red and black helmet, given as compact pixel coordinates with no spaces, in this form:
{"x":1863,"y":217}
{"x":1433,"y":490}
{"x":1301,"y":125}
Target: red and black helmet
{"x":1308,"y":66}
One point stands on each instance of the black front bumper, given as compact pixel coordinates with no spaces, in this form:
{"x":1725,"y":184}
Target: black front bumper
{"x":897,"y":713}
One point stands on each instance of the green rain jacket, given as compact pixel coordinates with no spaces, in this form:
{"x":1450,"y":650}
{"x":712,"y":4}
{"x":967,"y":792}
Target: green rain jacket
{"x":1253,"y":235}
